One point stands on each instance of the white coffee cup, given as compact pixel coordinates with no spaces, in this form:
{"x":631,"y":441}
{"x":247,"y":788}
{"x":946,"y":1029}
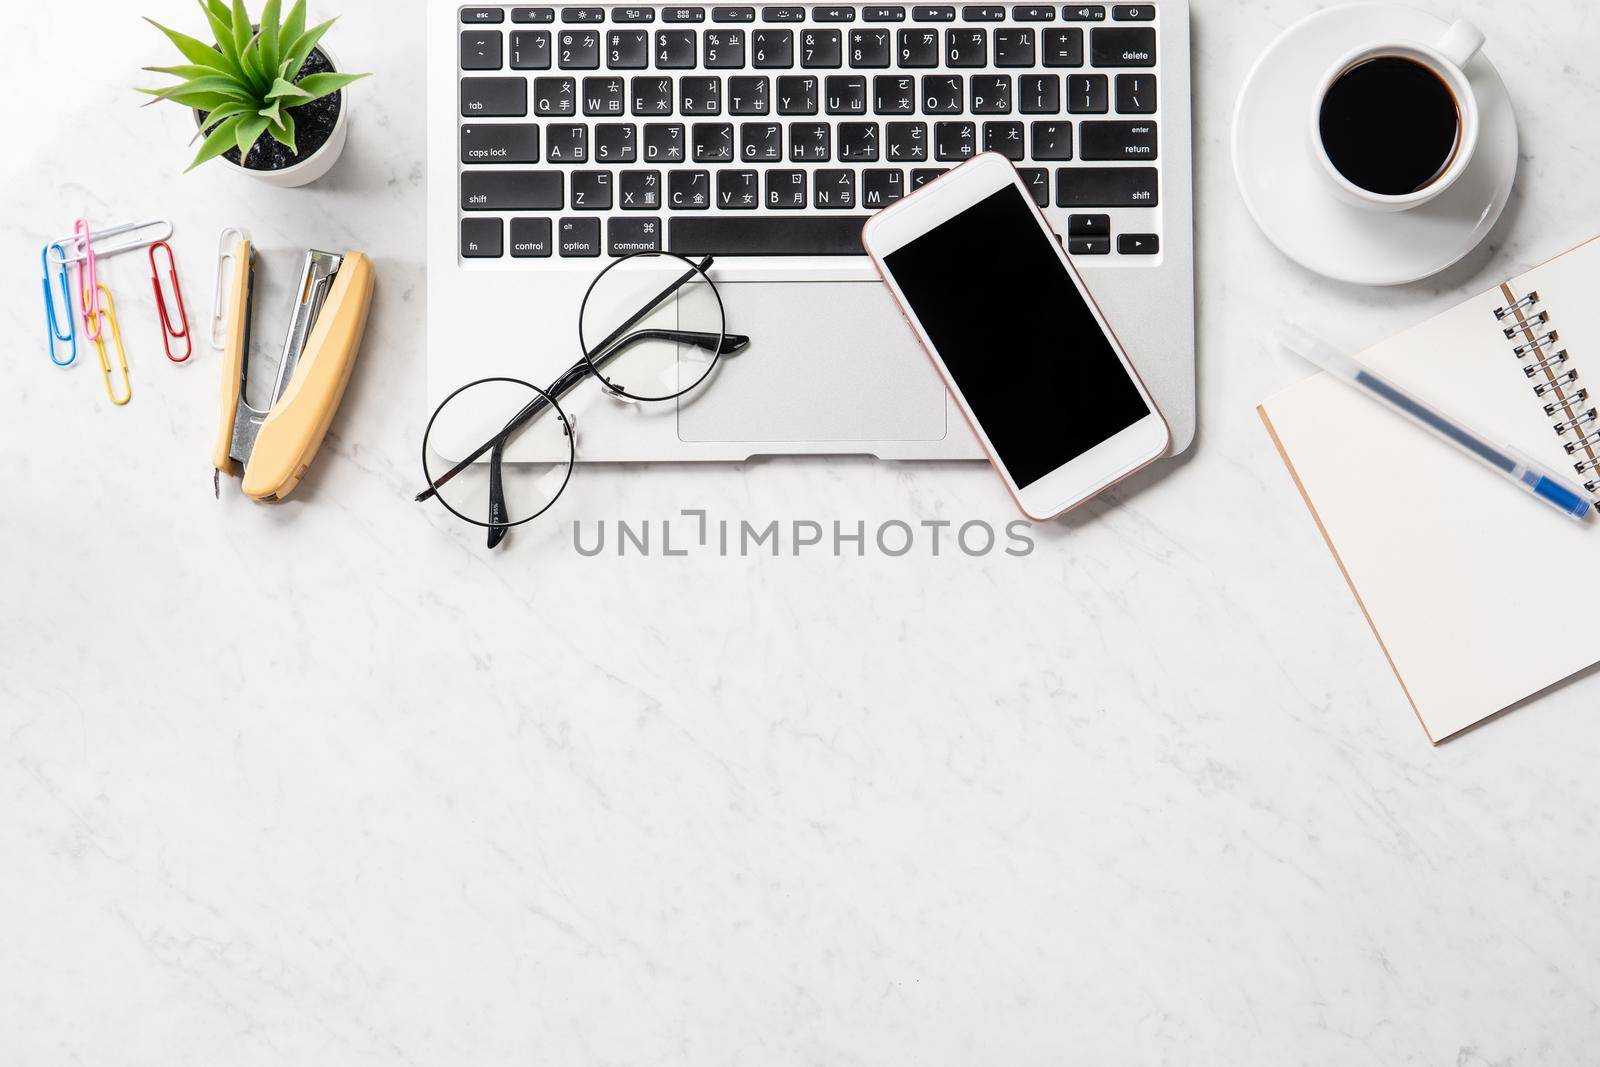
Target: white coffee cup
{"x":1445,"y":57}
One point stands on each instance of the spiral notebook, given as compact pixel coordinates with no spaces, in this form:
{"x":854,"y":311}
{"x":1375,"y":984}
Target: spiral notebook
{"x":1479,"y":596}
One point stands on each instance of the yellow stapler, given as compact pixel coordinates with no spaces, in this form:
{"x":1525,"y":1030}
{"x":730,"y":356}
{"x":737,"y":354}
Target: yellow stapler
{"x":273,"y":447}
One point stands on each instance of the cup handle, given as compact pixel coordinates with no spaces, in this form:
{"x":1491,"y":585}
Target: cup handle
{"x":1460,"y":42}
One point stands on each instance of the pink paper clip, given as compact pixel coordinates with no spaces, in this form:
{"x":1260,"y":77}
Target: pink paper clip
{"x":168,"y":331}
{"x":88,"y":280}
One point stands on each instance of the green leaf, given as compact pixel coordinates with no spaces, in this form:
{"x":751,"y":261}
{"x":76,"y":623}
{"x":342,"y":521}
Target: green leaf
{"x":300,"y":51}
{"x":222,"y":111}
{"x":220,"y":84}
{"x":223,"y":32}
{"x":281,"y":89}
{"x":242,"y":30}
{"x":283,"y":133}
{"x":194,"y":51}
{"x":184,"y":70}
{"x":203,"y":101}
{"x":220,"y":9}
{"x":321,"y":85}
{"x":271,"y":54}
{"x":294,"y":24}
{"x":272,"y":114}
{"x":251,"y":127}
{"x":260,"y":80}
{"x":218,"y":141}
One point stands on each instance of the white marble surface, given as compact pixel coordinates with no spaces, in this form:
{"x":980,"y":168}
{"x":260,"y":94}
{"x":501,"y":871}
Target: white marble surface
{"x":328,"y":783}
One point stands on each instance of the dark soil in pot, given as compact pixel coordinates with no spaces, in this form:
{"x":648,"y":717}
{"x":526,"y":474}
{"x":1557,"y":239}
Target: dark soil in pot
{"x":313,"y":125}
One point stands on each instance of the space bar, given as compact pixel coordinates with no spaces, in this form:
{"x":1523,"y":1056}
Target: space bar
{"x":753,"y":235}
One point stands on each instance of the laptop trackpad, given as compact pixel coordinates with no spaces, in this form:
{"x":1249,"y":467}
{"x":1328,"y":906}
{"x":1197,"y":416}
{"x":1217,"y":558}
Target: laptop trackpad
{"x":828,"y":361}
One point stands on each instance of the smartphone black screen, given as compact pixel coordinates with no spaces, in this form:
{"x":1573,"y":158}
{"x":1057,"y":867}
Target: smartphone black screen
{"x":1021,"y":344}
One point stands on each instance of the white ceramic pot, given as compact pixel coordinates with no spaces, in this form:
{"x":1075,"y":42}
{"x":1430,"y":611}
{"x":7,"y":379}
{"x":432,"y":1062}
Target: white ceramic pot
{"x":319,"y":162}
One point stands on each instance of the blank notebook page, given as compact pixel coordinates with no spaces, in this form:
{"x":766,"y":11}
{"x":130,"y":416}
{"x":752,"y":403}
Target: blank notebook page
{"x":1477,"y":591}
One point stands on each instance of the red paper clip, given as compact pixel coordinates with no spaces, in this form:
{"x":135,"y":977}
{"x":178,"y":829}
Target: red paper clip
{"x":168,"y":333}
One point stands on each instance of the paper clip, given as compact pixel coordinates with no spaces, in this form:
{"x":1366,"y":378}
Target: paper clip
{"x":89,"y":287}
{"x":168,"y":331}
{"x":107,"y":311}
{"x":52,"y":314}
{"x":226,"y":242}
{"x":161,"y":231}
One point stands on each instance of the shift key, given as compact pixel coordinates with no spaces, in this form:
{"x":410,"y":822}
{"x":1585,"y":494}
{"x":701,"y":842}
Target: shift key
{"x":511,"y":190}
{"x":494,"y":98}
{"x":1106,"y":187}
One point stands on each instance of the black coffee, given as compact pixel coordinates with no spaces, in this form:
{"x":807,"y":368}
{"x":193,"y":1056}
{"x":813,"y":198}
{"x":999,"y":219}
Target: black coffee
{"x":1390,"y":125}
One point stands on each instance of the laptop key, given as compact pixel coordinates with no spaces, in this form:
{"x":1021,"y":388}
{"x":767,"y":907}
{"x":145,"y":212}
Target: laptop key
{"x":675,"y":49}
{"x":923,"y":175}
{"x":1052,"y":140}
{"x":482,"y":49}
{"x":1136,"y":94}
{"x":500,"y":143}
{"x":917,"y":48}
{"x":1088,"y":225}
{"x":758,"y":235}
{"x":700,"y":96}
{"x":591,"y":190}
{"x":530,"y":50}
{"x":966,"y":48}
{"x":772,"y":49}
{"x":749,"y":95}
{"x":533,"y":14}
{"x":1138,"y":244}
{"x":882,"y":187}
{"x":663,"y":142}
{"x":615,"y":142}
{"x":783,"y":14}
{"x":1089,"y":246}
{"x":1086,"y":94}
{"x":858,"y":142}
{"x":1037,"y":180}
{"x":724,"y":49}
{"x":633,"y":14}
{"x":869,"y":49}
{"x":1039,"y":94}
{"x":833,"y":14}
{"x":1063,"y":47}
{"x":821,"y":49}
{"x":689,"y":190}
{"x":991,"y":94}
{"x":604,"y":96}
{"x":845,"y":94}
{"x":578,"y":49}
{"x":894,"y":95}
{"x":738,"y":190}
{"x":482,"y":239}
{"x":1123,"y":46}
{"x":651,"y":95}
{"x":954,"y":142}
{"x":797,"y":94}
{"x":941,"y":94}
{"x":494,"y":98}
{"x":1013,"y":48}
{"x":760,"y":142}
{"x":511,"y":190}
{"x":640,"y":190}
{"x":683,"y":14}
{"x":530,"y":239}
{"x":786,"y":189}
{"x":1005,"y":138}
{"x":884,"y":14}
{"x":905,"y":142}
{"x":628,"y":49}
{"x":566,"y":142}
{"x":1035,"y":14}
{"x":476,"y":16}
{"x":577,"y":15}
{"x":555,"y":96}
{"x":712,"y":142}
{"x":579,"y":238}
{"x":1117,"y":140}
{"x":933,"y":14}
{"x":1084,"y":13}
{"x":835,"y":190}
{"x":1133,"y":12}
{"x":809,"y":142}
{"x":1107,"y":187}
{"x":983,"y":14}
{"x":733,"y":14}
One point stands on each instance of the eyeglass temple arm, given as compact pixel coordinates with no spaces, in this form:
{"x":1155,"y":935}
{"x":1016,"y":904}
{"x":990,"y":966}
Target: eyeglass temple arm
{"x":571,"y":377}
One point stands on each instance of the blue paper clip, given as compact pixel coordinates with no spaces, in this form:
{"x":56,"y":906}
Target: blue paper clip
{"x":52,"y":315}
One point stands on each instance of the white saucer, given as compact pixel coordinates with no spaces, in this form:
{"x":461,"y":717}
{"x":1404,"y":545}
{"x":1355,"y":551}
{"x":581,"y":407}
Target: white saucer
{"x":1289,"y":198}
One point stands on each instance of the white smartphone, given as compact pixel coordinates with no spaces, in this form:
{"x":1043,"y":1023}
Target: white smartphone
{"x":1016,"y":335}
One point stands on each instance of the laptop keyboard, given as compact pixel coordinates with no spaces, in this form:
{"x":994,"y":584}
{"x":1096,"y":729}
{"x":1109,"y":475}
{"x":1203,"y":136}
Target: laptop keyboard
{"x":589,"y":132}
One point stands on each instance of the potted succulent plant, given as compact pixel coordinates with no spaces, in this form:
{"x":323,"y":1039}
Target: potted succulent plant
{"x":267,"y":97}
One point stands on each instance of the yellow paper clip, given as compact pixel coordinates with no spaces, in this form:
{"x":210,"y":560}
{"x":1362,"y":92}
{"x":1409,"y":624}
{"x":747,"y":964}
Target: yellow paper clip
{"x":107,"y":316}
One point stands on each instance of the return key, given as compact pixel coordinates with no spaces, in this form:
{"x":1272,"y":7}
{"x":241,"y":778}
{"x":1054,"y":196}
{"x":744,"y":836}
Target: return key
{"x":1117,"y":140}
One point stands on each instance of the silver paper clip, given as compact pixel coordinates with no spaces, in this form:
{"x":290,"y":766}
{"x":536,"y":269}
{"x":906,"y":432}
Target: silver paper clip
{"x":226,"y":241}
{"x":134,"y":238}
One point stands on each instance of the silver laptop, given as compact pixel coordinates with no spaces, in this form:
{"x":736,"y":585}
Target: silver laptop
{"x":564,"y":135}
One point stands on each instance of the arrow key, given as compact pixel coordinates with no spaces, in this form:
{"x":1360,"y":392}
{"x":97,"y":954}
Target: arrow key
{"x":1138,"y":244}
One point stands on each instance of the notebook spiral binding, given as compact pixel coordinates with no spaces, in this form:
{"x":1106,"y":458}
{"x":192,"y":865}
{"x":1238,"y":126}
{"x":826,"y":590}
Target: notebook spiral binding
{"x":1541,"y":357}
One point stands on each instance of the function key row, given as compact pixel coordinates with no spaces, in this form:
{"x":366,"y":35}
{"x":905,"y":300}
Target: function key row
{"x":812,"y":49}
{"x":491,"y":16}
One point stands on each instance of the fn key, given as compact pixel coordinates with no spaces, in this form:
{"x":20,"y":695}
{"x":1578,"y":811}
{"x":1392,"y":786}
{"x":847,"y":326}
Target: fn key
{"x":482,"y":239}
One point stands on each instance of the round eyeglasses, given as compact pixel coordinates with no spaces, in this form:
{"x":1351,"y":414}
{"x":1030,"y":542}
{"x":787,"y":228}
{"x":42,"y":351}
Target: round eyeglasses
{"x":651,"y":327}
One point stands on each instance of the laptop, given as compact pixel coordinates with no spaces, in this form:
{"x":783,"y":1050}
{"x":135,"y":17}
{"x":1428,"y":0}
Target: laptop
{"x":562,"y":136}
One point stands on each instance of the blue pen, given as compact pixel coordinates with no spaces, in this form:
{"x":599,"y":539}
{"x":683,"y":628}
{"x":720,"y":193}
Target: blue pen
{"x":1527,"y":473}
